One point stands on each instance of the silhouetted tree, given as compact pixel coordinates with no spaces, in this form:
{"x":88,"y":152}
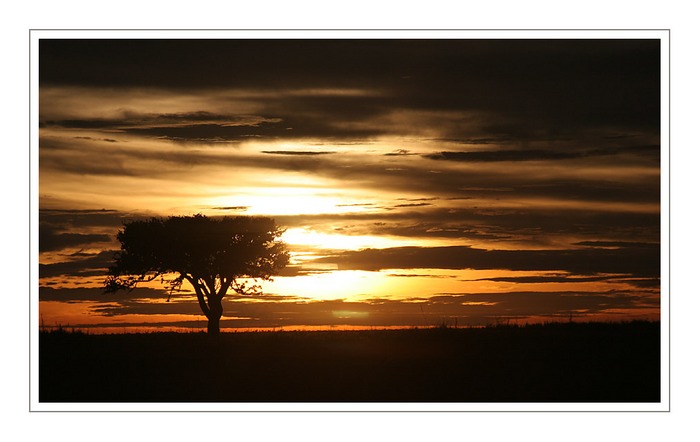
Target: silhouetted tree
{"x":213,"y":255}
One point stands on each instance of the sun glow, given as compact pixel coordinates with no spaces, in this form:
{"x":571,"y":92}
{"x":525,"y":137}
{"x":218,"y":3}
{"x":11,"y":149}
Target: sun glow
{"x":346,"y":284}
{"x":310,"y":237}
{"x":286,"y":201}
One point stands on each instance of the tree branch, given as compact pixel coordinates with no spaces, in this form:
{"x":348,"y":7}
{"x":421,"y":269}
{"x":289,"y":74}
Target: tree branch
{"x":225,"y":284}
{"x":200,"y":295}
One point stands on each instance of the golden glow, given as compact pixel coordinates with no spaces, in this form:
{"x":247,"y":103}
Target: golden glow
{"x":55,"y":313}
{"x":349,"y":314}
{"x":346,"y":284}
{"x":310,"y":237}
{"x":284,"y":201}
{"x":398,"y":284}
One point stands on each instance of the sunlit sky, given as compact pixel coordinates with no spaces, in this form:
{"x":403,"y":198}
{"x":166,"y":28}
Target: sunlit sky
{"x":420,"y":182}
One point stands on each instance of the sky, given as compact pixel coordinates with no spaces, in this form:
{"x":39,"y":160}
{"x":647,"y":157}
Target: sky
{"x":421,"y":182}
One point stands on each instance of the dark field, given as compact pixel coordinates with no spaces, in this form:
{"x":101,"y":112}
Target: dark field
{"x":572,"y":362}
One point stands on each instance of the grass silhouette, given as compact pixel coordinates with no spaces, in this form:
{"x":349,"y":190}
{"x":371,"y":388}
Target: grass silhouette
{"x":558,"y":362}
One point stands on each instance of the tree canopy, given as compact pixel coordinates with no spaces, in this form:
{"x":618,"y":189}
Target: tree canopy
{"x":212,"y":254}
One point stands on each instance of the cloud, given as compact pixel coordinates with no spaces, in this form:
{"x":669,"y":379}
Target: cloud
{"x":541,"y":154}
{"x":106,"y":221}
{"x":629,"y":261}
{"x":51,"y":240}
{"x":527,"y":304}
{"x":296,"y":152}
{"x":61,"y":229}
{"x":108,"y":140}
{"x":232,"y":208}
{"x":428,"y":310}
{"x":399,"y":153}
{"x":503,"y":155}
{"x":647,"y":283}
{"x":618,"y":244}
{"x":528,"y":228}
{"x":93,"y":294}
{"x":126,"y":118}
{"x":185,"y":126}
{"x":527,"y":73}
{"x":289,"y":114}
{"x":361,"y":89}
{"x":413,"y":205}
{"x":93,"y":265}
{"x":546,"y":279}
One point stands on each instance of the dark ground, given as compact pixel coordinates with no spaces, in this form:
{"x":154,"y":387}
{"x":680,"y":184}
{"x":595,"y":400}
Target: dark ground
{"x":596,"y":362}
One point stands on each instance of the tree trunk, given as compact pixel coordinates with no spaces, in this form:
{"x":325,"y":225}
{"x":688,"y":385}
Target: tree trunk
{"x":216,"y":310}
{"x":213,"y":325}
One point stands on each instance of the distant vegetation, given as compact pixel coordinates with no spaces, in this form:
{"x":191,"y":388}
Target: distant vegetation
{"x":559,"y":362}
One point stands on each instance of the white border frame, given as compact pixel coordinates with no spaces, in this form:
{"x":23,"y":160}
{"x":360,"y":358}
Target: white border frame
{"x":662,"y":34}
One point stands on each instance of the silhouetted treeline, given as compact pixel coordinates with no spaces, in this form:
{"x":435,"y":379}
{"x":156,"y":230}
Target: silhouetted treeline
{"x":594,"y":362}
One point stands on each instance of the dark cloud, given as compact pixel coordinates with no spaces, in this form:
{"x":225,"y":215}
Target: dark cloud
{"x":132,"y":305}
{"x":92,"y":216}
{"x":94,"y":294}
{"x":541,"y":154}
{"x":546,"y":279}
{"x":65,"y":228}
{"x":234,"y":208}
{"x":51,"y":240}
{"x":420,"y":275}
{"x":419,"y":199}
{"x":618,"y":244}
{"x":503,"y":155}
{"x":529,"y":66}
{"x":187,"y":118}
{"x":630,"y":261}
{"x":399,"y":153}
{"x":647,"y":283}
{"x":81,"y":157}
{"x":490,"y":306}
{"x":209,"y":132}
{"x":356,"y":205}
{"x":93,"y":265}
{"x":480,"y":141}
{"x":97,"y":123}
{"x":185,"y":126}
{"x":474,"y":183}
{"x":299,"y":115}
{"x":413,"y":205}
{"x":126,"y":121}
{"x":296,"y":152}
{"x":459,"y":184}
{"x":108,"y":140}
{"x":529,"y":226}
{"x":528,"y":87}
